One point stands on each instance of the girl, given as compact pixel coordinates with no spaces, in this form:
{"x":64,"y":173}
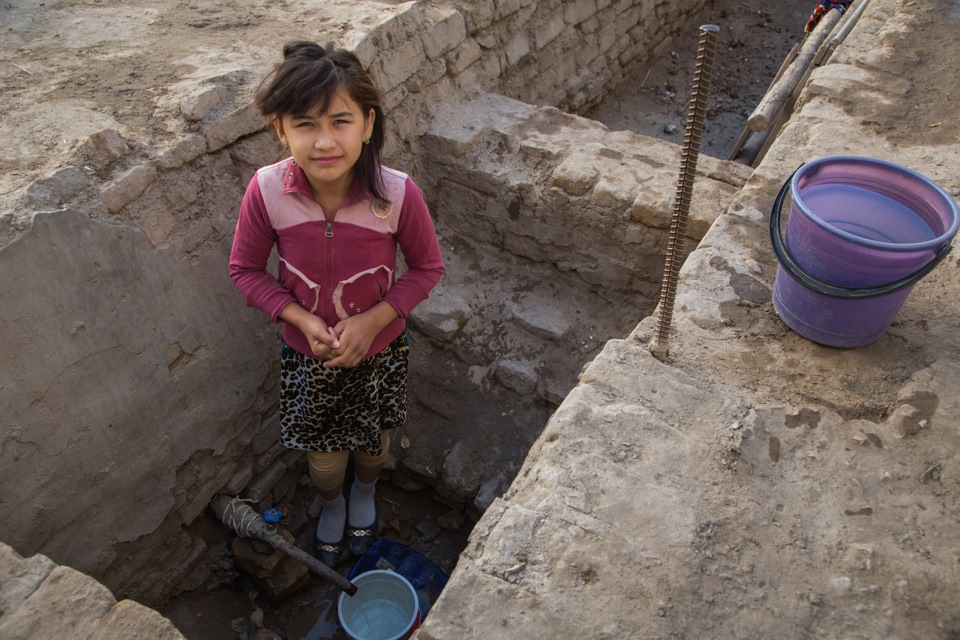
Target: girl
{"x":336,"y":218}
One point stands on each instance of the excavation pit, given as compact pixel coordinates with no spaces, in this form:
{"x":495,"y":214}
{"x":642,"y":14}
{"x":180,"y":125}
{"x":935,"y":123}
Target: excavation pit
{"x":758,"y":485}
{"x":551,"y":250}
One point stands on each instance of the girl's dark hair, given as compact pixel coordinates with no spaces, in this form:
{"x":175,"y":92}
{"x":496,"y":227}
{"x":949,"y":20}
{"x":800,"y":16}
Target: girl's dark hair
{"x":310,"y":77}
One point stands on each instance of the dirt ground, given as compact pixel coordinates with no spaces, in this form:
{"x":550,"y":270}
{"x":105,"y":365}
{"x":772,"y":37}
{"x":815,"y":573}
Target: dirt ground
{"x":753,"y":40}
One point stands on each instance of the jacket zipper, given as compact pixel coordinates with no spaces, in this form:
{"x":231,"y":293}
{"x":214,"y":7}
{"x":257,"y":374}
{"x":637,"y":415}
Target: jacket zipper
{"x":327,"y":299}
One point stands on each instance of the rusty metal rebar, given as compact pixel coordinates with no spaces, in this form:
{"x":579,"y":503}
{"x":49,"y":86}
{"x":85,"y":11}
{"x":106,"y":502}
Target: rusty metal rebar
{"x":696,"y":113}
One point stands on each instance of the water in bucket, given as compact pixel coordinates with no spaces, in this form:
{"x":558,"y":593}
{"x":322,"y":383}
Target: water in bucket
{"x":379,"y":618}
{"x":384,"y":607}
{"x":867,"y":214}
{"x":861,"y":232}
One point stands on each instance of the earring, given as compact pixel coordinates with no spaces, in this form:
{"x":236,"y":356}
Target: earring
{"x":367,"y":141}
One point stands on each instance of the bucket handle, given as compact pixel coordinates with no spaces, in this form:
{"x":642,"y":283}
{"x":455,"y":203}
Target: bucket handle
{"x":833,"y":290}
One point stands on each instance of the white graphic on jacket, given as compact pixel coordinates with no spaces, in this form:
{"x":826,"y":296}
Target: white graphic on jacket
{"x":380,"y":277}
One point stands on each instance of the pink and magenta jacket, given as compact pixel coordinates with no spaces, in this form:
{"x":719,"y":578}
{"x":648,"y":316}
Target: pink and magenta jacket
{"x":336,"y":269}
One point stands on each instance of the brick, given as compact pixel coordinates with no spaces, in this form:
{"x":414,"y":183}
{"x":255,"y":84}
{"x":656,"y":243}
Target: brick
{"x":488,"y":40}
{"x":652,"y":206}
{"x":239,"y":480}
{"x":405,"y":123}
{"x":203,"y":101}
{"x":540,"y":318}
{"x":257,"y":150}
{"x":104,"y":148}
{"x":612,"y":195}
{"x":463,"y":56}
{"x":452,"y":142}
{"x":546,"y":148}
{"x":609,"y":37}
{"x":235,"y":125}
{"x":587,"y":52}
{"x":574,"y":176}
{"x":462,"y":474}
{"x":448,"y":31}
{"x":627,"y":20}
{"x":441,"y":316}
{"x":504,"y":8}
{"x":186,"y":149}
{"x":429,"y":75}
{"x":576,"y":12}
{"x":157,"y":222}
{"x":393,"y":99}
{"x":469,"y":80}
{"x":128,"y":187}
{"x":442,"y":91}
{"x":366,"y":51}
{"x":489,"y":68}
{"x":260,"y":488}
{"x":57,"y":188}
{"x":549,"y":31}
{"x":517,"y":376}
{"x":480,"y":17}
{"x":517,"y":48}
{"x":396,"y":66}
{"x":410,"y":20}
{"x":647,"y":11}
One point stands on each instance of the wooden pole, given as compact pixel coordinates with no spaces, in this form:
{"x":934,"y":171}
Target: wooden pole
{"x":776,"y":97}
{"x":746,"y":131}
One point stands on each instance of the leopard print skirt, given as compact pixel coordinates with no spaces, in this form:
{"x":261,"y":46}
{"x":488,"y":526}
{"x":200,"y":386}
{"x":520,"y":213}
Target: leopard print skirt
{"x":342,"y":409}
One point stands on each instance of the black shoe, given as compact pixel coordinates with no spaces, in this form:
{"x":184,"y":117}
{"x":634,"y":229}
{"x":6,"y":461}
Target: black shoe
{"x":359,"y":539}
{"x":328,"y":553}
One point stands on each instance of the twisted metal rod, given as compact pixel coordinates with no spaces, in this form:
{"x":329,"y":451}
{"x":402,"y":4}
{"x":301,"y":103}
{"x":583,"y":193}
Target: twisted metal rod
{"x":696,"y":113}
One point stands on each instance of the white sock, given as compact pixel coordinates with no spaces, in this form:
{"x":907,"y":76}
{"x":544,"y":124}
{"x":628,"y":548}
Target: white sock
{"x":332,"y":518}
{"x":363,"y":504}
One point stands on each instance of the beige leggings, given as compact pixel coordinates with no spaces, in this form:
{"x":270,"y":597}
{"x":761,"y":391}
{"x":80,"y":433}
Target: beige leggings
{"x":328,"y":468}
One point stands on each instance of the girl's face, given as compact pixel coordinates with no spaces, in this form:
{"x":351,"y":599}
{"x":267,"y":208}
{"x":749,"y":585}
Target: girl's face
{"x":327,"y":145}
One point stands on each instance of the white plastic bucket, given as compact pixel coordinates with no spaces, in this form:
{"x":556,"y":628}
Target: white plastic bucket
{"x":385,"y":607}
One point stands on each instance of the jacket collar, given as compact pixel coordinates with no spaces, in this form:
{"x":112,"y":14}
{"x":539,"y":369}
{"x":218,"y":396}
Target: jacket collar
{"x":295,"y":181}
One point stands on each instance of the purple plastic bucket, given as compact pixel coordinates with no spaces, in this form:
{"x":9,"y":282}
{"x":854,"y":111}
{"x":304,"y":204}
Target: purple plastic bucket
{"x":861,"y":233}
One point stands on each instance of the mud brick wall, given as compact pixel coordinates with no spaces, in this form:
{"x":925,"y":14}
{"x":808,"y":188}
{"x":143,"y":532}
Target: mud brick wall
{"x":563,"y":54}
{"x":550,"y":187}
